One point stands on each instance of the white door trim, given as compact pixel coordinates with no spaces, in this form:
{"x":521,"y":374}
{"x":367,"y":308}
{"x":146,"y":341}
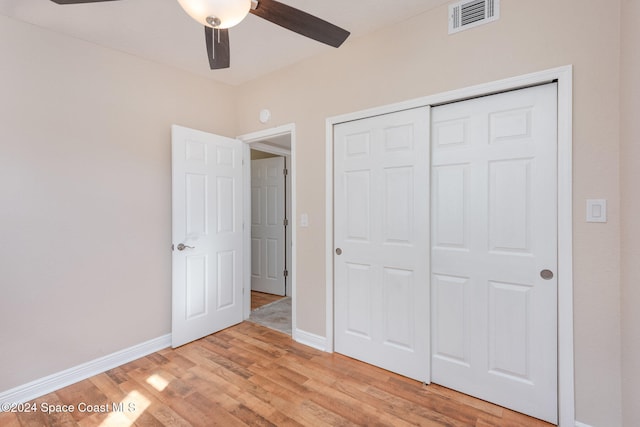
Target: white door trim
{"x":564,"y":77}
{"x":254,"y":140}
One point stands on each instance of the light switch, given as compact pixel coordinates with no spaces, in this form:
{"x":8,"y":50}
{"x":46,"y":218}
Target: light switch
{"x":596,"y":210}
{"x":304,"y":220}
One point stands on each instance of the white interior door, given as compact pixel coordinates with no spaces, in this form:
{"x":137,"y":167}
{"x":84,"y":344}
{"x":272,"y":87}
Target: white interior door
{"x":267,"y":225}
{"x":494,"y":249}
{"x":207,"y":233}
{"x":381,"y":235}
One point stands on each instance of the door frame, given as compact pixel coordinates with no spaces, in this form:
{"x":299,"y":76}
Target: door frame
{"x":564,"y":78}
{"x":255,"y":140}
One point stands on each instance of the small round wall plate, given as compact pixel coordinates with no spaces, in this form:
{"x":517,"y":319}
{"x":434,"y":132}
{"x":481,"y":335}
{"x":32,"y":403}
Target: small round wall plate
{"x":265,"y":116}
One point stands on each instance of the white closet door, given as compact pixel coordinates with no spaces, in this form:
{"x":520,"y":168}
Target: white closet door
{"x":494,"y":249}
{"x":381,"y":240}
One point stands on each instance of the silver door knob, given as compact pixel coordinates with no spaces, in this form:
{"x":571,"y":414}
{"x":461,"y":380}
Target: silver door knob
{"x":546,"y":274}
{"x":338,"y":251}
{"x":182,"y":247}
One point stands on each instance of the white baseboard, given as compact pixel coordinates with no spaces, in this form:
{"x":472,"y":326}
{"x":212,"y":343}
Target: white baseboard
{"x":312,"y":340}
{"x":51,"y":383}
{"x":579,"y":424}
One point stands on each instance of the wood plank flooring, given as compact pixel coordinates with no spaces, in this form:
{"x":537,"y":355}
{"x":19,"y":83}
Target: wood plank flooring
{"x":252,"y":375}
{"x":258,"y":299}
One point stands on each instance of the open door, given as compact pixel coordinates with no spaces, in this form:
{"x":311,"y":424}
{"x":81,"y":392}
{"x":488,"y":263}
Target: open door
{"x":207,"y":233}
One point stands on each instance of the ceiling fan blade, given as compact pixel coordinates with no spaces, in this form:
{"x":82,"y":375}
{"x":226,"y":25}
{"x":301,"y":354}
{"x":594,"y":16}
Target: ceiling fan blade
{"x":217,"y":47}
{"x":300,"y":22}
{"x":78,"y":1}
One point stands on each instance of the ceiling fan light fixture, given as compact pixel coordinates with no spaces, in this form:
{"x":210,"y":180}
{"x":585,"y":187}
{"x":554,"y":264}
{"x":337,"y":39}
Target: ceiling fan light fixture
{"x":224,"y":13}
{"x":214,"y":21}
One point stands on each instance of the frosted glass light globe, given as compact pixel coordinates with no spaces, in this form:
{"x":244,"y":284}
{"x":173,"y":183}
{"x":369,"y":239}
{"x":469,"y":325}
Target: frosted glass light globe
{"x":227,"y":12}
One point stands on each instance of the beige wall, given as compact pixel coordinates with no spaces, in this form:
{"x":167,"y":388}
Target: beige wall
{"x":418,"y":58}
{"x":85,"y":192}
{"x":630,"y":206}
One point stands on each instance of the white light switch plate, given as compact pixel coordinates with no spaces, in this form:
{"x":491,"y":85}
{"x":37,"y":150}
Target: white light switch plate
{"x":304,"y":220}
{"x":596,"y":210}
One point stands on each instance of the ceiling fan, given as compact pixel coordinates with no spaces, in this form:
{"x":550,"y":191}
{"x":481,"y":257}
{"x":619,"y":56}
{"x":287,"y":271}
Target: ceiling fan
{"x":218,"y":16}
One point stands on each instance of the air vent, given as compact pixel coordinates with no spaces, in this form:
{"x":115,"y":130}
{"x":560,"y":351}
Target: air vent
{"x":468,"y":14}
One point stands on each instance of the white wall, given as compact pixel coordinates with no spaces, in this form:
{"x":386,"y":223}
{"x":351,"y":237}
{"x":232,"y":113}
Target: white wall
{"x":85,"y":191}
{"x":417,"y":58}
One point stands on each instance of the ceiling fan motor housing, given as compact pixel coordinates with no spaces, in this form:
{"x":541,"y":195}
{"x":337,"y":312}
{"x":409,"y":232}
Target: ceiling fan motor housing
{"x":217,"y":13}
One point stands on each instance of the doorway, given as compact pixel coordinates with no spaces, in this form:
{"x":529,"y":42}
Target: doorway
{"x":270,"y":269}
{"x":211,"y":274}
{"x":564,"y":360}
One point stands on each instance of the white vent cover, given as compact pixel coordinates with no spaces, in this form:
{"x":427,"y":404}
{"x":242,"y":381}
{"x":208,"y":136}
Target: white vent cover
{"x":471,"y":13}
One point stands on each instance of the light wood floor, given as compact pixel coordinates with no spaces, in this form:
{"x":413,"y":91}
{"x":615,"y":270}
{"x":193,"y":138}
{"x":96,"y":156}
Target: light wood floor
{"x":258,"y":299}
{"x":251,"y":375}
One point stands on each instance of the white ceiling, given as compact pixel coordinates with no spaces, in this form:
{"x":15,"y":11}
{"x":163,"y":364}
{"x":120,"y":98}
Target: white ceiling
{"x":160,"y":31}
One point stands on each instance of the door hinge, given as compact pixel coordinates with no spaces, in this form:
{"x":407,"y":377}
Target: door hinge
{"x":286,"y":273}
{"x":285,"y":222}
{"x":285,"y":171}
